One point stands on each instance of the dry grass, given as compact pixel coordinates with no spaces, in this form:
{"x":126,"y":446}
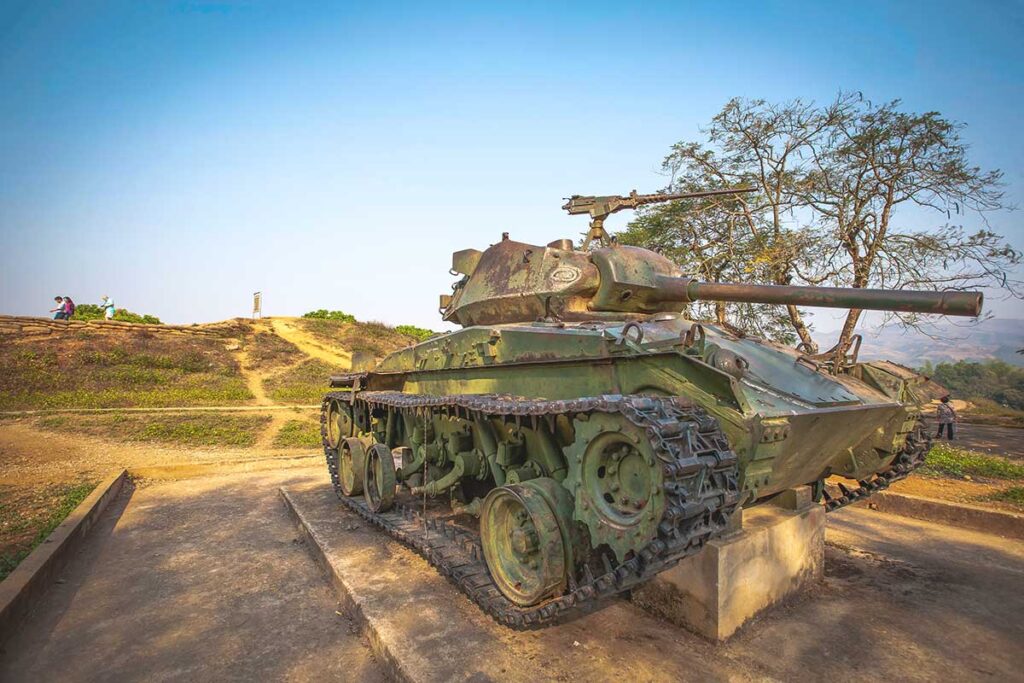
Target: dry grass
{"x":305,"y":384}
{"x":266,"y":350}
{"x":89,"y":370}
{"x":376,"y":338}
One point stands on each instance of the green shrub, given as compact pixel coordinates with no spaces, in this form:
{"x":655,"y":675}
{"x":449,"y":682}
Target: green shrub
{"x":324,"y":314}
{"x":418,"y":333}
{"x":94,"y":312}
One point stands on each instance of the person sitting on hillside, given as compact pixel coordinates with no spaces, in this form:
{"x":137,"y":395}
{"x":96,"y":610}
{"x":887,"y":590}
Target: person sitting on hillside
{"x":69,"y":308}
{"x":947,"y":418}
{"x":58,"y":312}
{"x":107,"y":304}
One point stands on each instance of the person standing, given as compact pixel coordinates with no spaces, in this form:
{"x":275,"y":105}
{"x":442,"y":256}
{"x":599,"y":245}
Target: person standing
{"x":107,"y":304}
{"x":947,"y":418}
{"x":58,"y":313}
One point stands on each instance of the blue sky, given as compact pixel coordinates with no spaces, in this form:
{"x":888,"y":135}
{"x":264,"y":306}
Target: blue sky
{"x":179,"y":156}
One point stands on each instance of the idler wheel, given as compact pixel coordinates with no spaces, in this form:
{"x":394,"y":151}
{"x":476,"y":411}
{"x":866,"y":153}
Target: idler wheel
{"x":523,"y":543}
{"x":351,"y":458}
{"x":379,"y":478}
{"x":339,"y":422}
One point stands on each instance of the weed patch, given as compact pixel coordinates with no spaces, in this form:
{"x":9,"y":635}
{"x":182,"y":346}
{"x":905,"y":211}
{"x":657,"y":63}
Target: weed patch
{"x":948,"y":460}
{"x":298,"y":434}
{"x":27,"y":517}
{"x":1013,"y":495}
{"x":199,"y":429}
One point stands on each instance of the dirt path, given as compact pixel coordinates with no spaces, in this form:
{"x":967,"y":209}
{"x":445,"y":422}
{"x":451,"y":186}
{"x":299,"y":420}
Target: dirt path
{"x":289,"y":331}
{"x":1005,"y":441}
{"x":29,"y":456}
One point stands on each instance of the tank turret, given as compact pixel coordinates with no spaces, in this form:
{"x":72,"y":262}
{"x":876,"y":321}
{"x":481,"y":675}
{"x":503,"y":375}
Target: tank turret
{"x":515,"y":282}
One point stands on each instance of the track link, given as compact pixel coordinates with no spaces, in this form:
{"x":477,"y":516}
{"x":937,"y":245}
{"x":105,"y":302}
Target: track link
{"x":699,"y":467}
{"x":910,"y":458}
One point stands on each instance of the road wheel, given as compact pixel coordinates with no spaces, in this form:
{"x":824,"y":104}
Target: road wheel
{"x":351,"y":458}
{"x":379,"y":478}
{"x":523,"y":544}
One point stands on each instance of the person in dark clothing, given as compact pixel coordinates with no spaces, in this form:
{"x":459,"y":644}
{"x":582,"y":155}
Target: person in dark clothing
{"x":947,"y":419}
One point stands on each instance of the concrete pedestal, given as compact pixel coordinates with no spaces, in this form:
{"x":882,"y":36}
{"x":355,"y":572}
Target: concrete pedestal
{"x":776,"y":550}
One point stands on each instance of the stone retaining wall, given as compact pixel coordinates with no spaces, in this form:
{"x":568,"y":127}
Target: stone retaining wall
{"x":26,"y":326}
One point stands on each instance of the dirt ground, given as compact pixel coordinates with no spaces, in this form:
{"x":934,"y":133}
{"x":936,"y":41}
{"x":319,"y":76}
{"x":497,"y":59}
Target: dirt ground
{"x":1005,"y":441}
{"x":35,"y":466}
{"x":206,"y":579}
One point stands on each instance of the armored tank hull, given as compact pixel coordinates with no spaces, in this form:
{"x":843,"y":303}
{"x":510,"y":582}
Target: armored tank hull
{"x":543,"y":465}
{"x":580,"y":435}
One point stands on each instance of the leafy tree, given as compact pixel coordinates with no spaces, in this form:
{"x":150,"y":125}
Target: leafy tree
{"x":835,"y":186}
{"x":992,"y":379}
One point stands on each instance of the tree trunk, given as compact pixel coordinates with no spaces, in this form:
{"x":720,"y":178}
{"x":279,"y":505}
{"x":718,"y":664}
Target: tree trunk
{"x":800,"y":326}
{"x":843,"y":345}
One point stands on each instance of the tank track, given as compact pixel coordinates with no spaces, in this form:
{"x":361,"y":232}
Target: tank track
{"x":693,"y":453}
{"x":910,"y":458}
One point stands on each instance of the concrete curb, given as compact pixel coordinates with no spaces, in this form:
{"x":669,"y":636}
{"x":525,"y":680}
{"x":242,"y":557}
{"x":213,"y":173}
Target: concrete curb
{"x":352,"y":606}
{"x":1007,"y":524}
{"x":30,"y":580}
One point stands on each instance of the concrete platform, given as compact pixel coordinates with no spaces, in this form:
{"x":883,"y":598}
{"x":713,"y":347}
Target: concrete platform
{"x":778,"y":552}
{"x":424,"y":629}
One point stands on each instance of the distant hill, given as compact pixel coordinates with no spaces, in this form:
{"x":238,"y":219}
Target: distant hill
{"x":997,"y":338}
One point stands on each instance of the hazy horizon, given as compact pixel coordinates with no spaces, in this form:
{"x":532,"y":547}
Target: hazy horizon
{"x":179,"y":156}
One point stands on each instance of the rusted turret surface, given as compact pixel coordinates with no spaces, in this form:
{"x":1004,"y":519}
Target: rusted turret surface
{"x":516,"y":282}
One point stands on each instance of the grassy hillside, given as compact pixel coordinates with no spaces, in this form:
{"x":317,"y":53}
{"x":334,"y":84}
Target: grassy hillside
{"x":89,"y":370}
{"x":372,"y":337}
{"x":137,"y":369}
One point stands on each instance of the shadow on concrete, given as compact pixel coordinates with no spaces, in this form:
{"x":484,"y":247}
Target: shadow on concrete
{"x":202,"y":579}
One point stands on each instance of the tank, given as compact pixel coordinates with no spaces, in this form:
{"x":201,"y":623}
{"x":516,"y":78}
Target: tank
{"x":579,"y":434}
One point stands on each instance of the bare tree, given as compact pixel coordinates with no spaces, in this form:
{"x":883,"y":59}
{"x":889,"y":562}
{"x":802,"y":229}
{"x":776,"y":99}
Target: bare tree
{"x":876,"y":161}
{"x":836,"y":187}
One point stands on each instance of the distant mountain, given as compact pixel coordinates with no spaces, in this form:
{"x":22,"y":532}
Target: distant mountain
{"x":948,"y":342}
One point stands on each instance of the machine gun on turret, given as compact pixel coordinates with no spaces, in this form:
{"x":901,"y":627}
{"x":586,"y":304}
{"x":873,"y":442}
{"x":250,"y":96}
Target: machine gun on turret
{"x":600,"y":208}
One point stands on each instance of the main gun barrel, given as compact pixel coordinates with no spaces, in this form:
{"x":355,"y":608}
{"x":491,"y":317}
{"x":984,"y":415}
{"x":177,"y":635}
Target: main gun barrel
{"x":907,"y":301}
